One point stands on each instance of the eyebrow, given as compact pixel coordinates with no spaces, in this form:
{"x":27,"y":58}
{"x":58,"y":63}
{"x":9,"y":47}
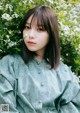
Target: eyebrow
{"x":37,"y":25}
{"x":27,"y":23}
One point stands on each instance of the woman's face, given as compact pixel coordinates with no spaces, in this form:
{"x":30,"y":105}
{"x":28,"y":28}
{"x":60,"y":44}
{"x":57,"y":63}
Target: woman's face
{"x":37,"y":37}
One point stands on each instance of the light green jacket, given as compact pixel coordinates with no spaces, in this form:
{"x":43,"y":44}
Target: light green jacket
{"x":35,"y":88}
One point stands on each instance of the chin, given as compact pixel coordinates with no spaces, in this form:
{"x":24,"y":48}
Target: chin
{"x":33,"y":50}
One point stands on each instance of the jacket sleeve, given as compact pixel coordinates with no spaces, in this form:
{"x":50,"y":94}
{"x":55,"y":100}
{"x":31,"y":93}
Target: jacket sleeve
{"x":69,"y":101}
{"x":7,"y":86}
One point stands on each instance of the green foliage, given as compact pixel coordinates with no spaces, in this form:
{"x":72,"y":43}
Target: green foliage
{"x":68,"y":12}
{"x":68,"y":15}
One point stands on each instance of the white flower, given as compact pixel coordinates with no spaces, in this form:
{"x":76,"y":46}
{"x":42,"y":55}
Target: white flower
{"x":66,"y":54}
{"x":76,"y":29}
{"x":69,"y":5}
{"x":9,"y":6}
{"x":6,"y":16}
{"x":78,"y":49}
{"x":7,"y":36}
{"x":11,"y":43}
{"x":31,"y":0}
{"x":1,"y":7}
{"x":65,"y":12}
{"x":51,"y":1}
{"x":0,"y":50}
{"x":15,"y":15}
{"x":75,"y":21}
{"x":65,"y":6}
{"x":65,"y":28}
{"x":24,"y":2}
{"x":78,"y":5}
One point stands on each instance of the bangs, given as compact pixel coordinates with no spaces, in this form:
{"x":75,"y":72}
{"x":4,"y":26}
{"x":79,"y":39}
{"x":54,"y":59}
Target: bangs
{"x":41,"y":20}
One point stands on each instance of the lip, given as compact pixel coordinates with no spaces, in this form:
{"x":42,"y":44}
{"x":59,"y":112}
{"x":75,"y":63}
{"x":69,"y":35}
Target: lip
{"x":31,"y":43}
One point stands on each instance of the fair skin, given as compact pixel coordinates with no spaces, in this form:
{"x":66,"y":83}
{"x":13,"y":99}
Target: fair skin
{"x":37,"y":38}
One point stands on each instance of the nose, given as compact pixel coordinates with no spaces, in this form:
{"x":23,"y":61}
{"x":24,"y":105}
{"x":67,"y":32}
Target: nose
{"x":32,"y":33}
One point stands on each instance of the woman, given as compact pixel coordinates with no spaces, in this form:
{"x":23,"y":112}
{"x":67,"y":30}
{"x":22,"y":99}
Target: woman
{"x":37,"y":81}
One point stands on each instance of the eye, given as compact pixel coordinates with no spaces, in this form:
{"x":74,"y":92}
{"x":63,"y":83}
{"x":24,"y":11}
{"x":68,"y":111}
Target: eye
{"x":41,"y":28}
{"x":27,"y":27}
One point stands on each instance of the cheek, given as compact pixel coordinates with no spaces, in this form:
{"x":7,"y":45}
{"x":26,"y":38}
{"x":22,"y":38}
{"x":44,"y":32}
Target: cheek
{"x":25,"y":41}
{"x":44,"y":41}
{"x":24,"y":31}
{"x":44,"y":37}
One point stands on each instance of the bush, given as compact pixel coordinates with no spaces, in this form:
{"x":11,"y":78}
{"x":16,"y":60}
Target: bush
{"x":11,"y":13}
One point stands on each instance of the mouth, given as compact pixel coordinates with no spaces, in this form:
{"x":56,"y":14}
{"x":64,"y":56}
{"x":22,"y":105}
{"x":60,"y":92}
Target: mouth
{"x":31,"y":43}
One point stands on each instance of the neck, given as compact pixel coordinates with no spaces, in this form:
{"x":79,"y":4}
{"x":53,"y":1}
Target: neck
{"x":39,"y":58}
{"x":40,"y":55}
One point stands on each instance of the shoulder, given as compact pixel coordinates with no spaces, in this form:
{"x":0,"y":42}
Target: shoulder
{"x":65,"y":73}
{"x":7,"y":65}
{"x":9,"y":59}
{"x":5,"y":61}
{"x":10,"y":62}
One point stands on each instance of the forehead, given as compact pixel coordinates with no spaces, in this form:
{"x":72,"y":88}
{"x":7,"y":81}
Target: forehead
{"x":34,"y":20}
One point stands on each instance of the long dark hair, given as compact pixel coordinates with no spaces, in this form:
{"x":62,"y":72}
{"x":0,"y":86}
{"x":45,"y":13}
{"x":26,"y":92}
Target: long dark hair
{"x":46,"y":17}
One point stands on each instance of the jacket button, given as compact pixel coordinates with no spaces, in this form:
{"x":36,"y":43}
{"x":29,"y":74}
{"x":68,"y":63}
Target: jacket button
{"x":39,"y":72}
